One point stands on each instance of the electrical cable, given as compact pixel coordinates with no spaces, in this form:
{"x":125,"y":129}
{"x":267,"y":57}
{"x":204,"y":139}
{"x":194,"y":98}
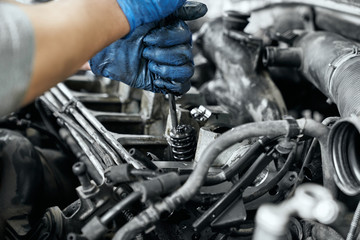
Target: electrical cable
{"x":240,"y":165}
{"x":308,"y":157}
{"x":119,"y":207}
{"x":274,"y":180}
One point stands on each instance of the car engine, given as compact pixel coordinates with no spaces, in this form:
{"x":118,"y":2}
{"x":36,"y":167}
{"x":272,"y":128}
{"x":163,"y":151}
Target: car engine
{"x":265,"y":145}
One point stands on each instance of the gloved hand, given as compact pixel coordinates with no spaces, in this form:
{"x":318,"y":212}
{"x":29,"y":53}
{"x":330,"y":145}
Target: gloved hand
{"x":155,"y":57}
{"x":139,"y":12}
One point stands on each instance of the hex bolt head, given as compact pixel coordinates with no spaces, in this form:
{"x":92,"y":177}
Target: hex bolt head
{"x":79,"y":169}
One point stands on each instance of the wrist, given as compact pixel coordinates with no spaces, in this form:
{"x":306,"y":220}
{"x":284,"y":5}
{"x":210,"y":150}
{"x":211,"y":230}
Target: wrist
{"x":140,"y":12}
{"x":127,"y":10}
{"x":114,"y":18}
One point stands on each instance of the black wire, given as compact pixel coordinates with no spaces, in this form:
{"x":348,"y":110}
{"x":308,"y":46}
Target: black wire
{"x":144,"y":173}
{"x":309,"y":155}
{"x":119,"y":207}
{"x":274,"y":180}
{"x":240,"y":165}
{"x":49,"y":128}
{"x":21,"y":124}
{"x":44,"y":116}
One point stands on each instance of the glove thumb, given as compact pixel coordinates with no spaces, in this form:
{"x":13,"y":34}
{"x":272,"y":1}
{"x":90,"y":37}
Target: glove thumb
{"x":190,"y":11}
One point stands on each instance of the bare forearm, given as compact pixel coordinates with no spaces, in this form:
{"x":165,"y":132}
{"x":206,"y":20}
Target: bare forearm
{"x":68,"y":33}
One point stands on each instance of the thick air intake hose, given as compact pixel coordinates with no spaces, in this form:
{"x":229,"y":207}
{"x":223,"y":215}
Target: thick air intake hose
{"x":332,"y":64}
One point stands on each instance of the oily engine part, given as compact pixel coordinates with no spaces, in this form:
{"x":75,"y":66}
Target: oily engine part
{"x":235,"y":168}
{"x":243,"y":86}
{"x":330,"y":62}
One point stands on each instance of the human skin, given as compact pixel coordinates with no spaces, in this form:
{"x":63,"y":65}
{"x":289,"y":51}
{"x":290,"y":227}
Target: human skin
{"x":67,"y":34}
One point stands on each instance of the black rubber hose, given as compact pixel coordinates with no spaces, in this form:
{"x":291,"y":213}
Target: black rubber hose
{"x":270,"y":128}
{"x":250,"y":156}
{"x":240,"y":165}
{"x":119,"y":207}
{"x":144,"y":173}
{"x":197,"y":178}
{"x":238,"y":134}
{"x":138,"y":155}
{"x":128,"y":216}
{"x":282,"y":57}
{"x":45,"y":114}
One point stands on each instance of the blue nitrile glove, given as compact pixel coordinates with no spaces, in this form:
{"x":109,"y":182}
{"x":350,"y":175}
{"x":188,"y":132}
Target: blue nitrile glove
{"x":155,"y":57}
{"x":139,"y":12}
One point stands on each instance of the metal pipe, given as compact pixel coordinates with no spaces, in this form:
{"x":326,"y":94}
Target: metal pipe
{"x":173,"y":115}
{"x":81,"y":155}
{"x":77,"y":133}
{"x":123,"y":153}
{"x":108,"y":156}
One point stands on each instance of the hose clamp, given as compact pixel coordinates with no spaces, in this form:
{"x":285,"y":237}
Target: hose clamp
{"x":335,"y":64}
{"x":293,"y":128}
{"x":69,"y":105}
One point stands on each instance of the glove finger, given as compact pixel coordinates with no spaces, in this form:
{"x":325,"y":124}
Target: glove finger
{"x":176,"y":73}
{"x":166,"y":36}
{"x":172,"y":87}
{"x":191,"y":10}
{"x":175,"y":56}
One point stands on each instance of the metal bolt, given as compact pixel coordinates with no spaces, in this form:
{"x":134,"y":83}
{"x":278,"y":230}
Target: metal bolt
{"x":79,"y":169}
{"x":200,"y":114}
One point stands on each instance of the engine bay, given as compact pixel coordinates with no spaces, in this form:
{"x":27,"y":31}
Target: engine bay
{"x":265,"y":145}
